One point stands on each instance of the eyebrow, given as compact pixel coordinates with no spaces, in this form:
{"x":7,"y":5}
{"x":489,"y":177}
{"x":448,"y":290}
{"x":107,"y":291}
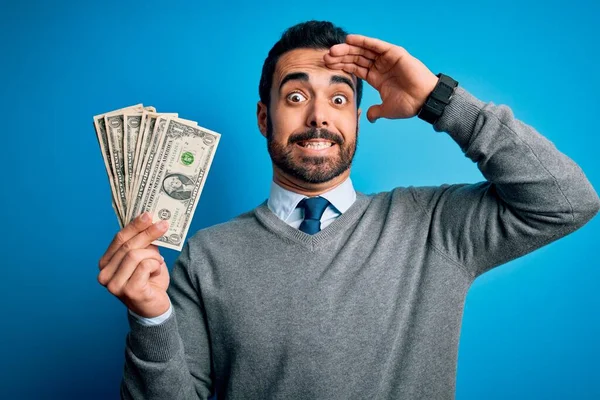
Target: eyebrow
{"x":303,"y":76}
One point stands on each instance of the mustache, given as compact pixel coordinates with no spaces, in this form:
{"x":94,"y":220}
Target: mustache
{"x":316,"y":133}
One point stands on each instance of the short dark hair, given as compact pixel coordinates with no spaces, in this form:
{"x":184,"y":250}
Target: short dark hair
{"x":311,"y":35}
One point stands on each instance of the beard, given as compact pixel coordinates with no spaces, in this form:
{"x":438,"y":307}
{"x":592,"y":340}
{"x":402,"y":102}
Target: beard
{"x":314,"y":169}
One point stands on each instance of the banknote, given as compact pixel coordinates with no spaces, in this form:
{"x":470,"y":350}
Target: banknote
{"x":138,"y":142}
{"x":114,"y":132}
{"x":140,"y":197}
{"x":181,"y":164}
{"x":138,"y":200}
{"x":157,"y":163}
{"x":100,"y":127}
{"x":144,"y":141}
{"x":132,"y":122}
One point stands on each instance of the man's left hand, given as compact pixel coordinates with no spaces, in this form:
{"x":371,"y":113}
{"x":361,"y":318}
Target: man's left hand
{"x":403,"y":82}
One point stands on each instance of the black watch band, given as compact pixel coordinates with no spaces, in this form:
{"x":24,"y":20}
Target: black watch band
{"x":438,"y":99}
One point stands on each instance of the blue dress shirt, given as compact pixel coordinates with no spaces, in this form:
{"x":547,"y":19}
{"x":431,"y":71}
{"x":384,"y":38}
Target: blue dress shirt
{"x":283,"y":203}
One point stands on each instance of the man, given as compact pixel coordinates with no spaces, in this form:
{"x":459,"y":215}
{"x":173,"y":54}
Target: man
{"x":325,"y":292}
{"x":178,"y":187}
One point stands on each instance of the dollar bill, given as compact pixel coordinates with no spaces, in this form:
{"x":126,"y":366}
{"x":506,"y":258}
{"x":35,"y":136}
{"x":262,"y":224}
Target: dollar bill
{"x":144,"y":174}
{"x":155,"y":131}
{"x":138,"y":142}
{"x":101,"y":134}
{"x":114,"y":131}
{"x":177,"y":176}
{"x":155,"y":163}
{"x":132,"y":122}
{"x":136,"y":155}
{"x":144,"y":140}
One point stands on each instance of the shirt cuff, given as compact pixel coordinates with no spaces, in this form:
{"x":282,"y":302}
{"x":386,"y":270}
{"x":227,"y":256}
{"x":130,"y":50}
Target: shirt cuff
{"x":155,"y":320}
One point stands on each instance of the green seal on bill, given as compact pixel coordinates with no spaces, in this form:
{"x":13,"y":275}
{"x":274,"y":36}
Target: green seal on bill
{"x":187,"y":158}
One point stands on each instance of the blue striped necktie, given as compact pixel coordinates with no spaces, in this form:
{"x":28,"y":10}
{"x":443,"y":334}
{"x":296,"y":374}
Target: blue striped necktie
{"x":314,"y":208}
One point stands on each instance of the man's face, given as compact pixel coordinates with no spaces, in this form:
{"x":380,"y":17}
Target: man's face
{"x":173,"y":183}
{"x":312,"y":122}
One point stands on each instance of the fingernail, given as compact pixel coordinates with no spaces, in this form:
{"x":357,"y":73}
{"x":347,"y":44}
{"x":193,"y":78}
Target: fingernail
{"x":162,"y":225}
{"x":144,"y":217}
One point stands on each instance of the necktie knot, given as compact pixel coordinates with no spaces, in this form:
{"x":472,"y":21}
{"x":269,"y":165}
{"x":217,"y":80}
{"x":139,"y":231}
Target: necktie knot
{"x":314,"y":208}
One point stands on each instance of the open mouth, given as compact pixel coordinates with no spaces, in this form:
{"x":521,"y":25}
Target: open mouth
{"x":316,"y":144}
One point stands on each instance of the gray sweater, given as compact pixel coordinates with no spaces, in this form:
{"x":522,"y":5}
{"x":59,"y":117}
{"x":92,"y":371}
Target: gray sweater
{"x":371,"y":306}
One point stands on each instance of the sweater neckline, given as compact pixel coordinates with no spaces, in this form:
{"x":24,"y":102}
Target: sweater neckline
{"x":321,"y":238}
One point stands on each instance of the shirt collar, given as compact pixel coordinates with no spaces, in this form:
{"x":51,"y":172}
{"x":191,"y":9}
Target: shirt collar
{"x":283,"y":202}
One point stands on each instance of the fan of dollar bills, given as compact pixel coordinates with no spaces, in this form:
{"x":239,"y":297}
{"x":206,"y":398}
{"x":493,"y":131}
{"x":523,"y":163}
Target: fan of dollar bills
{"x":155,"y":162}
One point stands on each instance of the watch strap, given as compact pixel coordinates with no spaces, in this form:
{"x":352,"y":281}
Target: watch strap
{"x":439,"y":98}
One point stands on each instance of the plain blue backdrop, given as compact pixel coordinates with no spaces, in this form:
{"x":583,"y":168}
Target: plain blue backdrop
{"x":530,"y":328}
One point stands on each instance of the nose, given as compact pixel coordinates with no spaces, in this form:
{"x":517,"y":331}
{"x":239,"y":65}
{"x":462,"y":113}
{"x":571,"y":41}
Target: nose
{"x":317,"y":115}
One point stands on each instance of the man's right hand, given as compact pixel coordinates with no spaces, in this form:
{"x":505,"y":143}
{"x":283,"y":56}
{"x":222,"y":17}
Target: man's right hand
{"x":133,"y":270}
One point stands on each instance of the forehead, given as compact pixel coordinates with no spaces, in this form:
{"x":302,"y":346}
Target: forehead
{"x":304,"y":60}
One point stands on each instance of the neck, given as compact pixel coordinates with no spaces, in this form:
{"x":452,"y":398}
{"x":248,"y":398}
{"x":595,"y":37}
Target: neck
{"x":306,"y":188}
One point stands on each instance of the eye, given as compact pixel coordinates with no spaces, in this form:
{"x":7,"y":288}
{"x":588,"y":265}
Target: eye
{"x":340,"y":99}
{"x":296,"y":97}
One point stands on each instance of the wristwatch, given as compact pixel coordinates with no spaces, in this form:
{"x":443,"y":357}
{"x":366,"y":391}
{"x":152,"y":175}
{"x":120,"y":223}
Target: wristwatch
{"x":438,"y":99}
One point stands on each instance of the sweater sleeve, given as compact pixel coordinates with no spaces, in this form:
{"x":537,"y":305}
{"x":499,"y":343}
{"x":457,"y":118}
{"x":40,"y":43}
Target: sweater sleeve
{"x":533,"y":193}
{"x":171,"y":360}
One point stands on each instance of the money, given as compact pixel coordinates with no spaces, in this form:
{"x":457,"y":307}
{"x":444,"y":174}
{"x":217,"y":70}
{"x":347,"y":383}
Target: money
{"x":114,"y":132}
{"x":101,"y":133}
{"x":156,"y":163}
{"x":132,"y":122}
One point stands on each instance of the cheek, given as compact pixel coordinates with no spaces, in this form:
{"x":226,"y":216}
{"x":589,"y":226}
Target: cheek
{"x":348,"y":125}
{"x":286,"y":122}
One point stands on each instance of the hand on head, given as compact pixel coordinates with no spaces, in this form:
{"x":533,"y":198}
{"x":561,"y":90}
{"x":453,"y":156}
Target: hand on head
{"x":403,"y":82}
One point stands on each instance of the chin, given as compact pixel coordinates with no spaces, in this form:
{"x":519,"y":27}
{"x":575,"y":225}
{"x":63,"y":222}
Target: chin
{"x":318,"y":175}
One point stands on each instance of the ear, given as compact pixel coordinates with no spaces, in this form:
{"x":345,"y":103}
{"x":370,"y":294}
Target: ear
{"x":358,"y":112}
{"x":261,"y":116}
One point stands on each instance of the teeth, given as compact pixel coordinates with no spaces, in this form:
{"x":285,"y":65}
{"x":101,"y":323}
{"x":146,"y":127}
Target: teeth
{"x":317,"y":145}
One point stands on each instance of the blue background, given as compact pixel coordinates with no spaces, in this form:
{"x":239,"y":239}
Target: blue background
{"x":530,"y":328}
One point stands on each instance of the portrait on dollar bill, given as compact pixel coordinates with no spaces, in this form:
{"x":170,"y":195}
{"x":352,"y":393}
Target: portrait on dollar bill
{"x":178,"y":186}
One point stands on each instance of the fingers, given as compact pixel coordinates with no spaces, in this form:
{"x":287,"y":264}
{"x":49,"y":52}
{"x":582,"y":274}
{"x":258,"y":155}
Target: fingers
{"x":342,"y":56}
{"x":130,"y":230}
{"x":349,"y":59}
{"x":140,"y":241}
{"x":361,"y":54}
{"x":373,"y":113}
{"x":114,"y":277}
{"x":343,"y":49}
{"x":372,"y":44}
{"x":139,"y":279}
{"x":355,"y":69}
{"x":147,"y":236}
